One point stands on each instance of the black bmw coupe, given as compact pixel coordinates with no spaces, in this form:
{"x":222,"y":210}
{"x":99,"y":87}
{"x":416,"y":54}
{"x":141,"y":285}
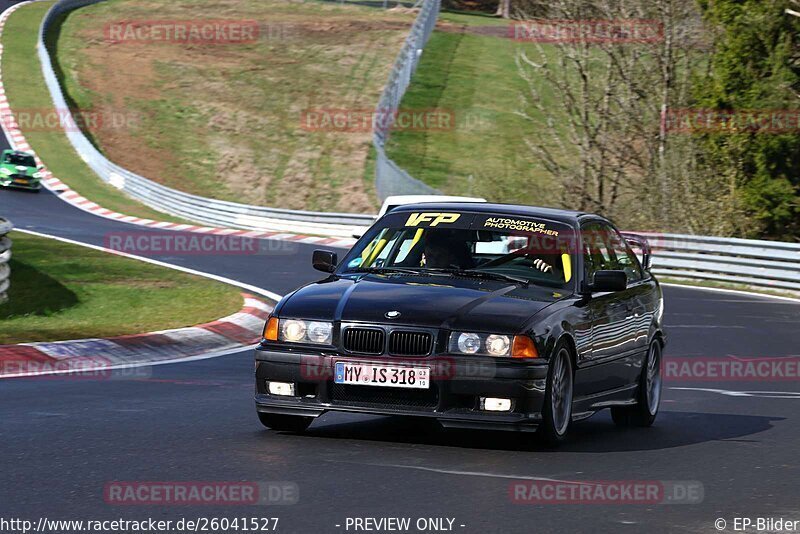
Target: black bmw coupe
{"x":481,"y":316}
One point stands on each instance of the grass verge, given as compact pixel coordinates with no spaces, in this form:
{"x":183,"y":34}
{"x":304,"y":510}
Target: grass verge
{"x":61,"y":291}
{"x":475,"y":77}
{"x":27,"y":93}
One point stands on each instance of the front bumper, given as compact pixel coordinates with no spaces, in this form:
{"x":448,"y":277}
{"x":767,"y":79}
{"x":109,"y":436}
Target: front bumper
{"x":457,"y":383}
{"x":32,"y":184}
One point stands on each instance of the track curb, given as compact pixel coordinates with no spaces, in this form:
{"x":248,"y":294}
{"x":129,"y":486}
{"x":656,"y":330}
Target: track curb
{"x":103,"y":355}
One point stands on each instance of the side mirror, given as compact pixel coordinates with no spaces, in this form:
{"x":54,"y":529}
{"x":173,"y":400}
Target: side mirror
{"x":324,"y":260}
{"x":609,"y":281}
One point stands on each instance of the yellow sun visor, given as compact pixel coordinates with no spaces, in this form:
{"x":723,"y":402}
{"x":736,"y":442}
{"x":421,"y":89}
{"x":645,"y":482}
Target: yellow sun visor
{"x":566,"y":262}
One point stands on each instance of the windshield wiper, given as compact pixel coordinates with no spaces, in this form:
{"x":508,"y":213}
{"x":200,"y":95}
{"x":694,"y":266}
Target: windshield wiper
{"x":456,"y":271}
{"x":483,"y":274}
{"x":378,"y":270}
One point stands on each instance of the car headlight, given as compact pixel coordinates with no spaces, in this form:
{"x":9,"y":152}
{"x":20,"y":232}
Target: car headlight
{"x":498,"y":345}
{"x":37,"y":175}
{"x":485,"y":344}
{"x":298,"y":331}
{"x":5,"y":171}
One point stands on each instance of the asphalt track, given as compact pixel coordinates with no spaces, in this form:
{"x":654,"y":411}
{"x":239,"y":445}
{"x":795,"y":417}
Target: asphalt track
{"x":64,"y":439}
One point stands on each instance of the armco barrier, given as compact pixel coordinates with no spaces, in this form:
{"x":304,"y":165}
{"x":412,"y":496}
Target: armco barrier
{"x":744,"y":261}
{"x":390,"y":178}
{"x":191,"y":207}
{"x":5,"y":257}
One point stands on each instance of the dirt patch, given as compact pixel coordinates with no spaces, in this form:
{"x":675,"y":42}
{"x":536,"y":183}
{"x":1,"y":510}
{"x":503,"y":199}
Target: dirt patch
{"x":119,"y":136}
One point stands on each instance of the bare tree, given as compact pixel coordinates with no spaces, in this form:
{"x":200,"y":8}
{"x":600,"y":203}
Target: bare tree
{"x":599,"y":94}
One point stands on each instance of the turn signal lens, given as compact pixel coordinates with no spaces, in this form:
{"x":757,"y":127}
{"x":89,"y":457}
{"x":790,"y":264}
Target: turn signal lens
{"x":523,"y":348}
{"x":271,"y":329}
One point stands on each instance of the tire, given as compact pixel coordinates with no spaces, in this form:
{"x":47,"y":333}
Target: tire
{"x":557,"y":410}
{"x":648,"y":394}
{"x":286,"y":423}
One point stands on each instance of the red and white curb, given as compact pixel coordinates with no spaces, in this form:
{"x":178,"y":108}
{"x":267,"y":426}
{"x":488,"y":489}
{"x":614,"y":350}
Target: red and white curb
{"x":103,"y":356}
{"x":17,"y":141}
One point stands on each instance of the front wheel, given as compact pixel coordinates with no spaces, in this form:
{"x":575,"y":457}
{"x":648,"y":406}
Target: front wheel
{"x":648,"y":396}
{"x":557,"y":412}
{"x":288,"y":423}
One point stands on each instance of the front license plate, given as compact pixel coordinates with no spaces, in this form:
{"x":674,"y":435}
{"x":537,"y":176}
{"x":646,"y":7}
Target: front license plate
{"x":366,"y":374}
{"x":20,"y":181}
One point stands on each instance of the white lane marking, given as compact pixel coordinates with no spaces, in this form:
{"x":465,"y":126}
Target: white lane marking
{"x":474,"y":473}
{"x":733,"y":291}
{"x":759,"y":394}
{"x":699,"y":326}
{"x":229,"y":281}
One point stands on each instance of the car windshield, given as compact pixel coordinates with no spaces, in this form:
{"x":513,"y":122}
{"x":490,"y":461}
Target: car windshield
{"x":21,"y":159}
{"x":514,"y":249}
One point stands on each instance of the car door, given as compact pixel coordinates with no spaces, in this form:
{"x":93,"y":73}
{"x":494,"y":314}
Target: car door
{"x":640,"y":301}
{"x":612,"y":360}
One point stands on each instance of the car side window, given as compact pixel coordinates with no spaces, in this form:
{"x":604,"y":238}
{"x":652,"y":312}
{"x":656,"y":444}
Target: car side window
{"x":598,"y":254}
{"x":626,"y":259}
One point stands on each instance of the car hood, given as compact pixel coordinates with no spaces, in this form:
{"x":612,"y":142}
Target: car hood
{"x":19,"y":169}
{"x":435,"y":301}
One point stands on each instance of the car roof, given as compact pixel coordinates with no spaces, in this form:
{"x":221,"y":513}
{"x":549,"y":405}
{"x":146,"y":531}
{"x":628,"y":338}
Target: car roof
{"x":554,"y":214}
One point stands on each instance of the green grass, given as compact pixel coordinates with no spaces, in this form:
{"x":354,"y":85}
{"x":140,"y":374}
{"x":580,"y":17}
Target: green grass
{"x":471,"y":18}
{"x":476,"y":77}
{"x":26,"y":91}
{"x":61,"y":291}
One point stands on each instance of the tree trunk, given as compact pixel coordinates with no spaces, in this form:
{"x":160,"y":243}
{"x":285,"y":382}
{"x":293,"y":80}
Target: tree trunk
{"x":503,"y":9}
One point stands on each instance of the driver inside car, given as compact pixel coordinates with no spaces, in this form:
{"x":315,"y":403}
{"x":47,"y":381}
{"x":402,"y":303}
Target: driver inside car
{"x":447,"y":249}
{"x":453,"y":249}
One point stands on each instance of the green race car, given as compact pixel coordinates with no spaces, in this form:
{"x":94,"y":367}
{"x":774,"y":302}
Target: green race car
{"x":18,"y":169}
